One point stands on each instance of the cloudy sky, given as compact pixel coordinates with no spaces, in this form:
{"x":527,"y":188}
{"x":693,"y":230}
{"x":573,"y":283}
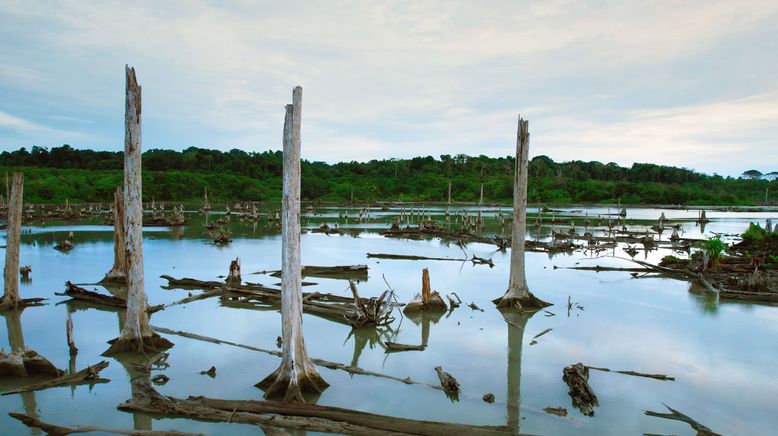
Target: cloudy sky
{"x":691,"y":84}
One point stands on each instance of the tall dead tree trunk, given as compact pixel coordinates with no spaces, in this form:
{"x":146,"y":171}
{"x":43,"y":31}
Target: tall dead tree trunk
{"x":481,"y":199}
{"x":518,"y":295}
{"x":136,"y":335}
{"x":117,"y":273}
{"x":11,"y":298}
{"x":296,"y":375}
{"x":449,"y":192}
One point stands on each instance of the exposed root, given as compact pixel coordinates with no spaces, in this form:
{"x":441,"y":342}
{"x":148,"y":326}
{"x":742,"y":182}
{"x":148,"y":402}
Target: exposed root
{"x":528,"y":303}
{"x":149,"y":345}
{"x":281,"y":385}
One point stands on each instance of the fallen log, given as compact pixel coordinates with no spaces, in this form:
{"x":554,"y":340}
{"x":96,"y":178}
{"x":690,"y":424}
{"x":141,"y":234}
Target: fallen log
{"x":310,"y":417}
{"x":701,"y":429}
{"x":58,"y":430}
{"x":354,"y":272}
{"x":187,"y":283}
{"x":394,"y":346}
{"x":320,"y":362}
{"x":88,"y":375}
{"x":577,"y":378}
{"x":635,"y":373}
{"x":78,"y":293}
{"x":410,"y":257}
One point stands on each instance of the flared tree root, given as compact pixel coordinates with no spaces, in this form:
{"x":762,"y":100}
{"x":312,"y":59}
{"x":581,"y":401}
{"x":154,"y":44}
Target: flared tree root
{"x":148,"y":345}
{"x":526,"y":303}
{"x":293,"y":386}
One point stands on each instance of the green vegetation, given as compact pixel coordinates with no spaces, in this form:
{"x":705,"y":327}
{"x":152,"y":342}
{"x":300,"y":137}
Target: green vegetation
{"x":754,"y":233}
{"x":715,"y":248}
{"x":87,"y":175}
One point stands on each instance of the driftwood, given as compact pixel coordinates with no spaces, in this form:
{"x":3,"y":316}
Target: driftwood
{"x":409,"y":257}
{"x":377,"y":311}
{"x":88,"y":375}
{"x":23,"y":363}
{"x":701,"y":429}
{"x":58,"y":430}
{"x":577,"y":378}
{"x":310,"y":417}
{"x":394,"y":346}
{"x":558,"y":411}
{"x":320,"y":362}
{"x":187,"y":283}
{"x":353,"y":272}
{"x":635,"y":373}
{"x":78,"y":293}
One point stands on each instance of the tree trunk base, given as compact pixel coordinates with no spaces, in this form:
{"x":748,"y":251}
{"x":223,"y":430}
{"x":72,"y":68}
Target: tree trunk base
{"x":144,"y":345}
{"x":114,"y":278}
{"x":530,"y":303}
{"x":280,"y":385}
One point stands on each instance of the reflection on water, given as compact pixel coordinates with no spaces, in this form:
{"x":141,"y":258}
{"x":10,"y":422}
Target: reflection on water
{"x":722,"y":354}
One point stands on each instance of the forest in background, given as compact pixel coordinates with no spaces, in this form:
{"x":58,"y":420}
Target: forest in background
{"x":53,"y":175}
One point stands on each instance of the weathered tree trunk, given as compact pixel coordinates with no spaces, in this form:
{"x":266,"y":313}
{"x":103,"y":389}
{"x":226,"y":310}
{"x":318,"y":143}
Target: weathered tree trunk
{"x":481,"y":199}
{"x":136,"y":334}
{"x":233,"y":276}
{"x":449,"y":192}
{"x":518,"y":294}
{"x":11,"y":298}
{"x":296,"y":375}
{"x":117,"y":273}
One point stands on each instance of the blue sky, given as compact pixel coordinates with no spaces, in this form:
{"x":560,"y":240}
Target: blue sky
{"x":691,"y":84}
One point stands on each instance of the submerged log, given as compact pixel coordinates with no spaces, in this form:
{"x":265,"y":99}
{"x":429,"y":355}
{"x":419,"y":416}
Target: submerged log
{"x":59,"y":430}
{"x":394,"y":346}
{"x":310,"y":417}
{"x":577,"y":378}
{"x":636,"y":374}
{"x":78,"y":293}
{"x":351,"y":272}
{"x":410,"y":257}
{"x":88,"y":375}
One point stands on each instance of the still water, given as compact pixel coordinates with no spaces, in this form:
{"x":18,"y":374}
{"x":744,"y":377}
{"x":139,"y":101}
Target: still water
{"x":723,"y":355}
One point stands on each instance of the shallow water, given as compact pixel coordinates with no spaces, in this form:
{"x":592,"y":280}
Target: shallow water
{"x":722,"y":354}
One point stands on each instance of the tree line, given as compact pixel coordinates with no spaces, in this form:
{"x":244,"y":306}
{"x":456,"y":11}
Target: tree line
{"x":52,"y":175}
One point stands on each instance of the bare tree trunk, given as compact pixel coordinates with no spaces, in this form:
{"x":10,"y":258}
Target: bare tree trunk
{"x":296,"y":375}
{"x":11,"y":298}
{"x":233,"y":276}
{"x":518,"y":295}
{"x":449,"y":192}
{"x":481,"y":200}
{"x":117,"y":273}
{"x":136,"y":334}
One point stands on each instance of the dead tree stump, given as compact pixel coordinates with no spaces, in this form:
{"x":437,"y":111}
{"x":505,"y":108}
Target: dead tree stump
{"x":117,"y":273}
{"x":136,"y":335}
{"x":518,"y":295}
{"x":11,"y":298}
{"x":296,"y":375}
{"x":233,"y":276}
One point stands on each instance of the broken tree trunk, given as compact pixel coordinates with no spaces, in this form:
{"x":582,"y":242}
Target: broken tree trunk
{"x":11,"y":298}
{"x":24,"y":362}
{"x":136,"y":334}
{"x":296,"y":375}
{"x":117,"y":273}
{"x":701,"y":429}
{"x":518,"y":294}
{"x":233,"y":276}
{"x":69,"y":333}
{"x":577,"y":378}
{"x":428,"y":299}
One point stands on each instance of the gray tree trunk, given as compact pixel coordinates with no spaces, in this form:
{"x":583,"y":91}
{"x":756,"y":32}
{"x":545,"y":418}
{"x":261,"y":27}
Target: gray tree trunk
{"x":11,"y":298}
{"x":518,"y":295}
{"x":296,"y":375}
{"x":117,"y":273}
{"x":136,"y":334}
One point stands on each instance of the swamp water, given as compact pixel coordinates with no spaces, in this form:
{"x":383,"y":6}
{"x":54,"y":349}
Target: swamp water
{"x":723,"y":355}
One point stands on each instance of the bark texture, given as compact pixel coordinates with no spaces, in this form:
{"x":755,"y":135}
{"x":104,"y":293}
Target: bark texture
{"x":518,"y":294}
{"x":117,"y":273}
{"x":296,"y":375}
{"x":11,"y":298}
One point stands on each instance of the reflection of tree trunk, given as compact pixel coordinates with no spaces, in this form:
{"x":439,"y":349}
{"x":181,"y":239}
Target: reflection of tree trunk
{"x":13,"y":322}
{"x":516,"y":323}
{"x":141,"y":421}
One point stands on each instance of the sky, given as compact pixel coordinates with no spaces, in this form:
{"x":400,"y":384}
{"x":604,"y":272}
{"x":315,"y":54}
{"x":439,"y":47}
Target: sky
{"x":684,"y":83}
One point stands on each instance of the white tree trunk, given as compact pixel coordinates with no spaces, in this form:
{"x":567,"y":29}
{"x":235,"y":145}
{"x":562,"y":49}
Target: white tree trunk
{"x":136,"y":334}
{"x":449,"y":192}
{"x":11,"y":298}
{"x":518,"y":294}
{"x":117,"y":273}
{"x":296,"y":374}
{"x":481,"y":199}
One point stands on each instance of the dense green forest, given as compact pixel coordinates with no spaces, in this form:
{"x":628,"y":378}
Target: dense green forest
{"x":53,"y":175}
